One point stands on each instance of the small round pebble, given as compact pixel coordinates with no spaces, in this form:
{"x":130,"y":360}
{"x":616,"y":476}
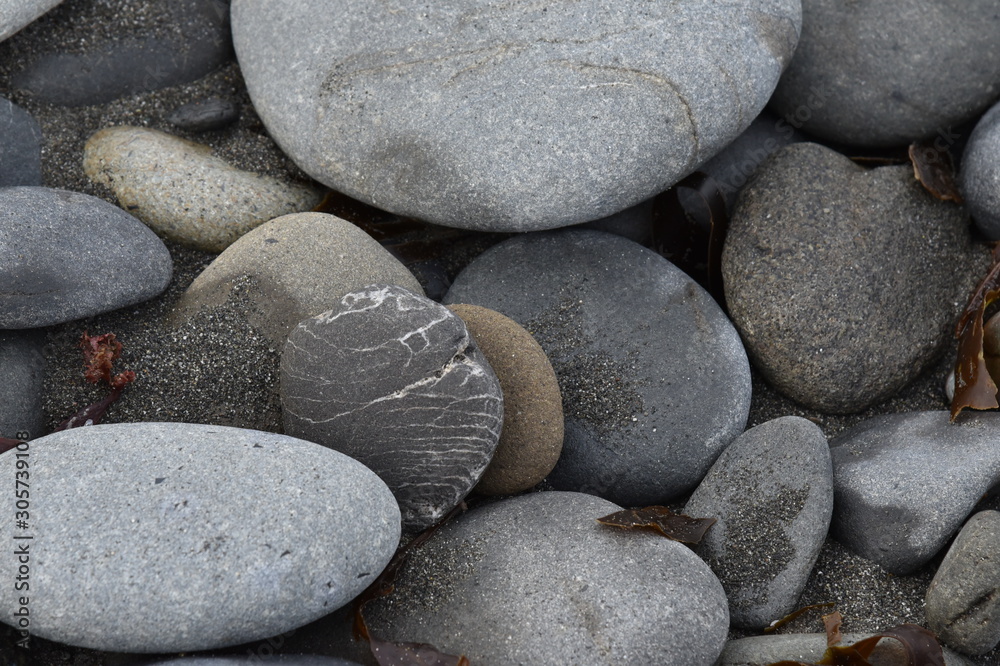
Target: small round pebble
{"x":981,"y":174}
{"x":532,"y":434}
{"x":205,"y":115}
{"x":184,"y":192}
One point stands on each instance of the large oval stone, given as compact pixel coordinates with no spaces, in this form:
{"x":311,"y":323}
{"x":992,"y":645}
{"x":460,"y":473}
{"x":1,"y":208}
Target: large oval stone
{"x":509,"y":116}
{"x":169,"y":537}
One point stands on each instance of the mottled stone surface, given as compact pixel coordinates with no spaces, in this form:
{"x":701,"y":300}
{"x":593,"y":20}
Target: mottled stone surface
{"x":394,"y":380}
{"x":22,"y":368}
{"x":170,"y":537}
{"x":300,"y":264}
{"x":963,"y":600}
{"x":980,"y":175}
{"x":205,"y":115}
{"x":876,"y":73}
{"x":15,"y":14}
{"x":183,"y":191}
{"x":277,"y":660}
{"x":20,"y":146}
{"x":506,"y":117}
{"x":905,"y":483}
{"x":809,"y":648}
{"x":772,"y":493}
{"x":844,"y":283}
{"x":175,"y":42}
{"x":536,"y":580}
{"x":532,"y":435}
{"x":654,"y":378}
{"x":66,"y":255}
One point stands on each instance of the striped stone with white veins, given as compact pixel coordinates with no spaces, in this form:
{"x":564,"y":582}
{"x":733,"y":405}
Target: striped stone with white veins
{"x":395,"y":381}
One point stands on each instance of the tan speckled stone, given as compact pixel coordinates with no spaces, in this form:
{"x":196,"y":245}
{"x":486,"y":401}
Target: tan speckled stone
{"x":185,"y":193}
{"x":532,"y":435}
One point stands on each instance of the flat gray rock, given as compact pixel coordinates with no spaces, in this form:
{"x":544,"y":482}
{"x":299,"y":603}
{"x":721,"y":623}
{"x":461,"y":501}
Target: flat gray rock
{"x":277,"y":660}
{"x":536,"y":580}
{"x":963,"y":607}
{"x":15,"y":14}
{"x":171,"y":537}
{"x":508,"y":117}
{"x":980,"y":175}
{"x":20,"y":146}
{"x":905,"y":483}
{"x":66,"y":255}
{"x":654,"y":378}
{"x":809,"y":648}
{"x":394,"y":380}
{"x":22,"y":367}
{"x":844,"y":283}
{"x":772,"y":493}
{"x":879,"y":74}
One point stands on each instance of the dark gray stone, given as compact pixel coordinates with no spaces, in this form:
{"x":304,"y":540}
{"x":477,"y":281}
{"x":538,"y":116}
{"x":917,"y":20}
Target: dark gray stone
{"x":394,"y":380}
{"x":22,"y":368}
{"x":879,"y":74}
{"x":772,"y":493}
{"x":205,"y":115}
{"x":844,"y":283}
{"x":654,"y":378}
{"x":809,"y":648}
{"x":20,"y":146}
{"x":963,"y":600}
{"x":66,"y":255}
{"x":981,"y":174}
{"x":536,"y":580}
{"x":190,"y":40}
{"x":277,"y":660}
{"x":509,"y":116}
{"x":905,"y":483}
{"x":171,"y":537}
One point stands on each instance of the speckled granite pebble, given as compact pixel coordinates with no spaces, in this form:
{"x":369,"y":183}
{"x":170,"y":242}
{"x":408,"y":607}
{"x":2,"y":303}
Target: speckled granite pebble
{"x":905,"y":483}
{"x":22,"y":368}
{"x":509,"y":116}
{"x":654,"y":378}
{"x":169,"y":537}
{"x":66,"y":255}
{"x":772,"y":493}
{"x":15,"y":14}
{"x":963,"y":600}
{"x":532,"y":435}
{"x":185,"y":193}
{"x":536,"y":580}
{"x":20,"y":146}
{"x":843,"y":282}
{"x":394,"y":380}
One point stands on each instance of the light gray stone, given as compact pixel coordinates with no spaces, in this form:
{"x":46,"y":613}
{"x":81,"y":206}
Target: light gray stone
{"x":880,"y":74}
{"x":654,"y":378}
{"x":185,"y":193}
{"x":905,"y":483}
{"x":844,"y":283}
{"x":772,"y":493}
{"x":963,"y":600}
{"x":809,"y":648}
{"x":980,"y":174}
{"x":170,"y":537}
{"x":394,"y":380}
{"x":66,"y":255}
{"x":22,"y":368}
{"x":509,"y":117}
{"x":15,"y":14}
{"x":20,"y":146}
{"x":536,"y":580}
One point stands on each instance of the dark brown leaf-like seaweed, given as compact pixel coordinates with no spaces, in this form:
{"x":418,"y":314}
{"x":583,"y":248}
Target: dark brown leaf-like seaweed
{"x":920,"y":646}
{"x":794,"y":615}
{"x":388,"y":653}
{"x":935,"y":170}
{"x":661,"y":519}
{"x":831,"y":624}
{"x":973,"y":385}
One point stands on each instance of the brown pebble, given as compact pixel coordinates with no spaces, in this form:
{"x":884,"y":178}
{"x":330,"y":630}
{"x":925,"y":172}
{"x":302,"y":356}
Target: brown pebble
{"x":532,"y":435}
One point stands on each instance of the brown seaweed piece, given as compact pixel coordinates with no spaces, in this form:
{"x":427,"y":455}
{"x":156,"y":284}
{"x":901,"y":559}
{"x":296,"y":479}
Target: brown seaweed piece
{"x":935,"y":170}
{"x":794,"y":615}
{"x":661,"y":519}
{"x":920,"y":646}
{"x":973,"y":385}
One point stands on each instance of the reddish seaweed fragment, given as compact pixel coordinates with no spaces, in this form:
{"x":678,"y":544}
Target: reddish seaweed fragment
{"x":99,"y":354}
{"x":973,"y":385}
{"x":8,"y":444}
{"x":388,"y":653}
{"x":661,"y":519}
